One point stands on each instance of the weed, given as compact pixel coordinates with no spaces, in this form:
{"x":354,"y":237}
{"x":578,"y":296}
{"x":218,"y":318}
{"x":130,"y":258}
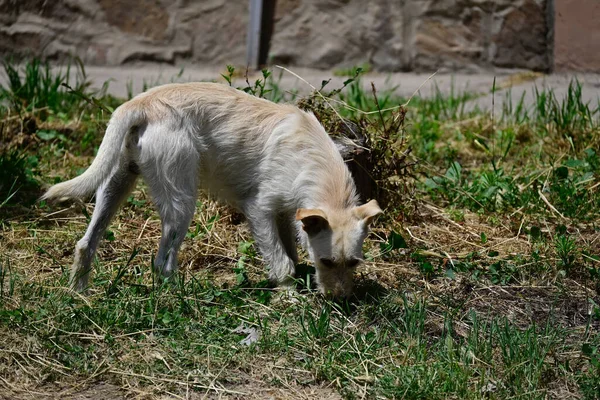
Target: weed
{"x":40,"y":87}
{"x":394,"y":241}
{"x":316,"y":325}
{"x":17,"y":177}
{"x":441,"y":106}
{"x":248,"y":254}
{"x":352,"y":71}
{"x":264,"y":87}
{"x":566,"y":250}
{"x":203,"y":229}
{"x":523,"y":354}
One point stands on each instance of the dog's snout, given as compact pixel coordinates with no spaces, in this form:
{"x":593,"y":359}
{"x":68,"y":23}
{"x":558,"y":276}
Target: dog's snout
{"x":339,"y":288}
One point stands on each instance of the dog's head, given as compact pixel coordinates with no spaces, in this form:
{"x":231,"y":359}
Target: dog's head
{"x":335,"y":239}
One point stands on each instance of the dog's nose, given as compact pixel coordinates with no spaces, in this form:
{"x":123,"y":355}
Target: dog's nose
{"x":339,"y":292}
{"x":334,"y":293}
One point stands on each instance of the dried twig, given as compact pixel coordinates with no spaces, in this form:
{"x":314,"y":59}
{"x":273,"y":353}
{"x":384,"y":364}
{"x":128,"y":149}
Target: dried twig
{"x":550,"y":206}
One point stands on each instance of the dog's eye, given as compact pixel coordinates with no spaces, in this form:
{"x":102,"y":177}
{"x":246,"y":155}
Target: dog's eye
{"x":353,"y":262}
{"x":327,"y":262}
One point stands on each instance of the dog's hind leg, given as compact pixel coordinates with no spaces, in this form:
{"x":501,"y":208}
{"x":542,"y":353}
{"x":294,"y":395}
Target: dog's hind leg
{"x":175,"y":223}
{"x":174,"y":191}
{"x":109,"y":197}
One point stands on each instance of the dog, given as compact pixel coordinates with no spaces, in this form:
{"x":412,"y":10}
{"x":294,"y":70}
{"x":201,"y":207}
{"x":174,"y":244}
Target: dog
{"x":273,"y":162}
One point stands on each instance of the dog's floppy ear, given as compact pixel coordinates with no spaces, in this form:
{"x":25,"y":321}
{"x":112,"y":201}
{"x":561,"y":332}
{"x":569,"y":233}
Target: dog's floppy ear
{"x":368,"y":211}
{"x":313,"y":220}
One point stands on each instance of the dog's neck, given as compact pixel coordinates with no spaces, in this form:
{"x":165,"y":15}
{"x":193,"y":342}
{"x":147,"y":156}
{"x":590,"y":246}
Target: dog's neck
{"x":337,"y":190}
{"x":322,"y":179}
{"x":327,"y":184}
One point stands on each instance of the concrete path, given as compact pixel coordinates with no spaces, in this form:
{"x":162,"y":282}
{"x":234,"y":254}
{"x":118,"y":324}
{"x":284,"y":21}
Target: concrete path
{"x":510,"y":84}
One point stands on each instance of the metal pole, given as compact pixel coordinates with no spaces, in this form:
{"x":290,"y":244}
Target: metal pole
{"x":254,"y":33}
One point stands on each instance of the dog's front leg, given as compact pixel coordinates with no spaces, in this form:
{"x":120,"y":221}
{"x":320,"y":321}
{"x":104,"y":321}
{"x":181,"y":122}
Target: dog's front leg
{"x":276,"y":241}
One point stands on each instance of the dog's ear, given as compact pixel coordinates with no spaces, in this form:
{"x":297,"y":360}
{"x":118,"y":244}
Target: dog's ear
{"x":313,"y":220}
{"x":367,"y":212}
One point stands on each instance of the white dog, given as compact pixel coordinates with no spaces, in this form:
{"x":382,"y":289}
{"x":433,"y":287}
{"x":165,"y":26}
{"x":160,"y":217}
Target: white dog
{"x":273,"y":162}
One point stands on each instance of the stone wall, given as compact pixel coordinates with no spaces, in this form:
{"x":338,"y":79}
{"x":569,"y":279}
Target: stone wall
{"x":413,"y":34}
{"x":114,"y":32}
{"x":390,"y":35}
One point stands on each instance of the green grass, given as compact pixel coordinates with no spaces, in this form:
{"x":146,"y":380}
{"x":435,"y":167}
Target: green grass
{"x":390,"y":346}
{"x":482,"y":279}
{"x":37,"y":87}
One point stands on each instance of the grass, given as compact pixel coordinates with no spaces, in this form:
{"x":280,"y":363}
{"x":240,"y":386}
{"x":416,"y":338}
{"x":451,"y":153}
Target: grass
{"x":482,"y":280}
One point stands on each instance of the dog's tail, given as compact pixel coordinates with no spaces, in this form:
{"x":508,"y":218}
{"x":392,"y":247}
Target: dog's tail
{"x":122,"y":120}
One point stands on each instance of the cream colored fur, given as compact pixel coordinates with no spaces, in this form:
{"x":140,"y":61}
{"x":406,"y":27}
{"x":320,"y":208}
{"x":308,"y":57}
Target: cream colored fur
{"x":273,"y":162}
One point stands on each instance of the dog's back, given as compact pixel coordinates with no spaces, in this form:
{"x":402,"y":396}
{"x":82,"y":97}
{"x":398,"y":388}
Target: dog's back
{"x":242,"y":143}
